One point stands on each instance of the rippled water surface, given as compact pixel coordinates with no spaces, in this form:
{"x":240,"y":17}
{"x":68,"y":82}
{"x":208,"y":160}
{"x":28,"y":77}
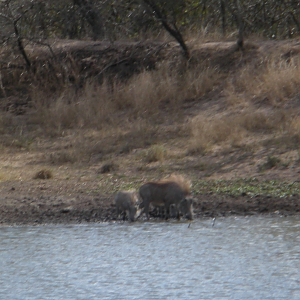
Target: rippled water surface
{"x":237,"y":258}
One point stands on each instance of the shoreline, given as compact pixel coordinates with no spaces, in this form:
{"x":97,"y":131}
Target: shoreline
{"x":101,"y":209}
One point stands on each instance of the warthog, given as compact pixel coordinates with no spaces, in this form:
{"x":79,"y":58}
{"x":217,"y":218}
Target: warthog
{"x":125,"y":202}
{"x":186,"y":208}
{"x":167,"y":192}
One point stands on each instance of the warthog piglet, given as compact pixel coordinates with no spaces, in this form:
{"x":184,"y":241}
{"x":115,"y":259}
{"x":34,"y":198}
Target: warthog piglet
{"x":125,"y":202}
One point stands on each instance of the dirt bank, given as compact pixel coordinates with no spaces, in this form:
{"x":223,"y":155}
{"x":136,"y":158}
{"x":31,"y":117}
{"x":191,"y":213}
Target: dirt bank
{"x":24,"y":204}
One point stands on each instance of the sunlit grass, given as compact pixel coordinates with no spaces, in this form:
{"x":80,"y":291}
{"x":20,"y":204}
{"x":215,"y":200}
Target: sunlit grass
{"x":274,"y":80}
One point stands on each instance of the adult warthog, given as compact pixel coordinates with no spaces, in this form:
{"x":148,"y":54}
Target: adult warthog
{"x":167,"y":192}
{"x":126,"y":202}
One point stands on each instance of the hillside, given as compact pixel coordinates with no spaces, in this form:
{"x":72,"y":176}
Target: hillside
{"x":228,"y":120}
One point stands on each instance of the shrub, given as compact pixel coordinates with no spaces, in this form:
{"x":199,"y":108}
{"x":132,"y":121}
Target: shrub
{"x":154,"y":153}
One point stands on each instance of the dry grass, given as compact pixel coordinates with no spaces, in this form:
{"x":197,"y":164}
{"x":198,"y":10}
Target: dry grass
{"x":280,"y":81}
{"x":199,"y":82}
{"x":154,"y":153}
{"x":233,"y":127}
{"x":91,"y":109}
{"x":149,"y":96}
{"x":43,"y":174}
{"x":143,"y":120}
{"x":208,"y":132}
{"x":198,"y":36}
{"x":275,"y":80}
{"x":147,"y":93}
{"x":271,"y":162}
{"x":295,"y":126}
{"x":272,"y":84}
{"x":142,"y":97}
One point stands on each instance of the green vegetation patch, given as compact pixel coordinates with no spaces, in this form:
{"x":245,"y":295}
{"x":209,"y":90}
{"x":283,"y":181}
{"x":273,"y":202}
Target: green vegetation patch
{"x":250,"y":187}
{"x":110,"y":184}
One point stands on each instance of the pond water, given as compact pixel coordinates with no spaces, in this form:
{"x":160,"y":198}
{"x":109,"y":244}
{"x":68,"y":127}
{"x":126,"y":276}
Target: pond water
{"x":237,"y":258}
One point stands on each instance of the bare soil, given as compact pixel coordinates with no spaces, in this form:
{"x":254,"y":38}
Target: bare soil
{"x":56,"y":202}
{"x":83,"y":192}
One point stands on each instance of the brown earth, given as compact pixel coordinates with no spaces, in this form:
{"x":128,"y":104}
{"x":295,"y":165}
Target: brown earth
{"x":83,"y":192}
{"x":60,"y":203}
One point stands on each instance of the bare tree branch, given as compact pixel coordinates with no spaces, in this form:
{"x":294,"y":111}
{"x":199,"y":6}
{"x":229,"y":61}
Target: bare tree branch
{"x":173,"y":31}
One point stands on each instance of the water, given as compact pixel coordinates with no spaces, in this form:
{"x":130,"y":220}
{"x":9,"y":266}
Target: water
{"x":237,"y":258}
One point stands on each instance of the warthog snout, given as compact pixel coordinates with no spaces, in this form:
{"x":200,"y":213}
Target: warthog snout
{"x":186,"y":208}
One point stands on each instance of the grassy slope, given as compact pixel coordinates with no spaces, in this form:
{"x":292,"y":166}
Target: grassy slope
{"x":229,"y":123}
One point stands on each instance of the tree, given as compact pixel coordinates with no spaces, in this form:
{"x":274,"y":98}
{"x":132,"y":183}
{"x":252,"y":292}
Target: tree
{"x":11,"y":16}
{"x":170,"y":27}
{"x":240,"y":41}
{"x":90,"y":13}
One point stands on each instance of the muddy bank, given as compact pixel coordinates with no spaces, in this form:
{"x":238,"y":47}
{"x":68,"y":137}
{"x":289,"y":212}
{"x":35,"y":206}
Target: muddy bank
{"x":54,"y":210}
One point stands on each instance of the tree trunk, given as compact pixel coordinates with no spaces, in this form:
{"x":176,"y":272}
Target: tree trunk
{"x":223,"y":16}
{"x":240,"y":41}
{"x":173,"y":31}
{"x":92,"y":17}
